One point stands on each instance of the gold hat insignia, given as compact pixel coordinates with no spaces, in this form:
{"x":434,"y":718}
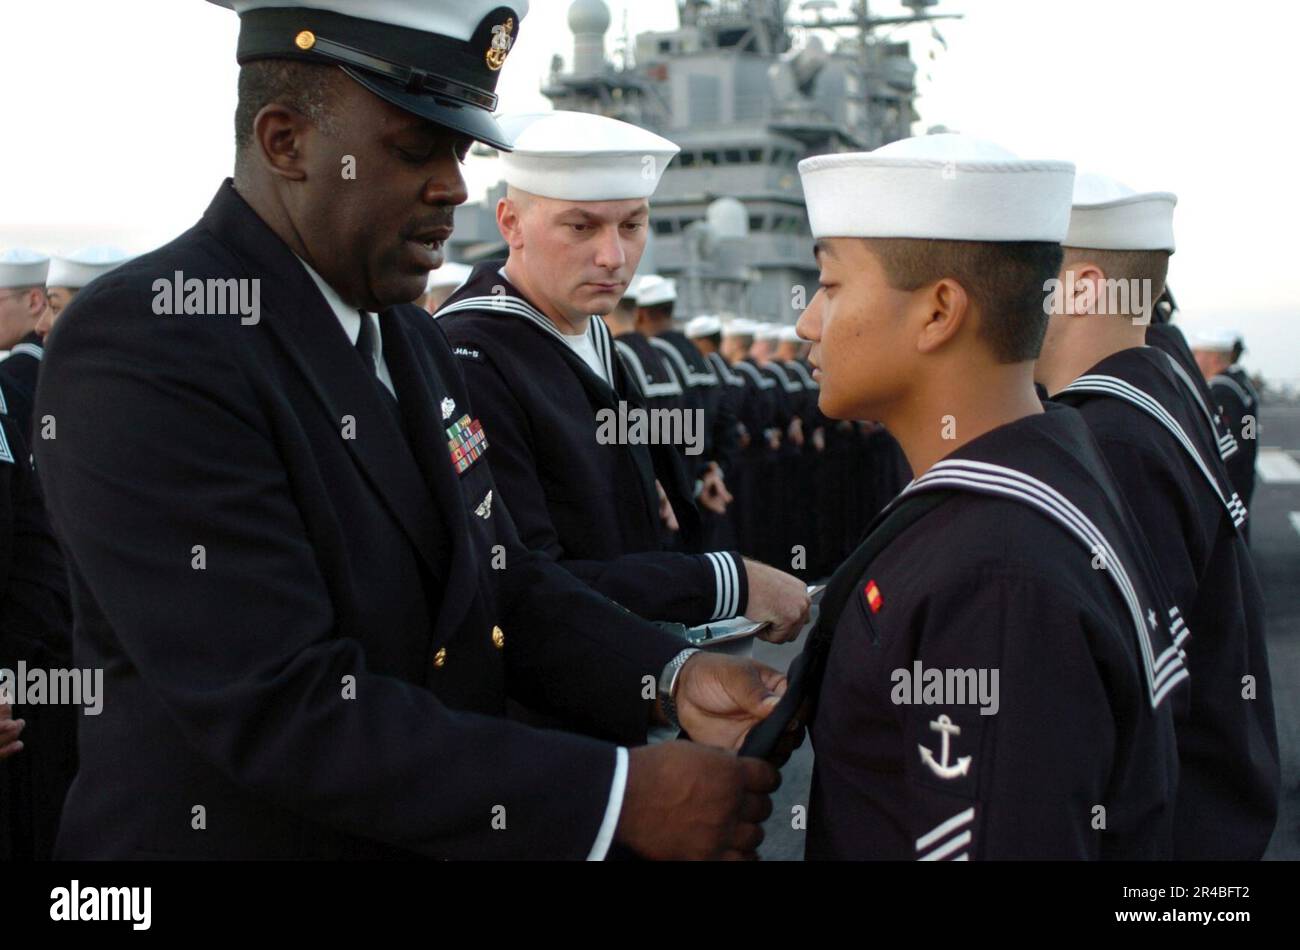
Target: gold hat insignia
{"x":502,"y":40}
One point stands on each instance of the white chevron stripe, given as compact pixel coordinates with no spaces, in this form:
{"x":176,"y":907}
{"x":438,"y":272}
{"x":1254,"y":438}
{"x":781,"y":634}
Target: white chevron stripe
{"x":947,"y":848}
{"x":945,"y":828}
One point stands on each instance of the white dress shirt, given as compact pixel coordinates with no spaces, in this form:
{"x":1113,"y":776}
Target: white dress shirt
{"x":350,"y":318}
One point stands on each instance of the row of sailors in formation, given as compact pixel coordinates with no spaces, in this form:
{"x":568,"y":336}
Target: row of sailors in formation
{"x":990,"y":580}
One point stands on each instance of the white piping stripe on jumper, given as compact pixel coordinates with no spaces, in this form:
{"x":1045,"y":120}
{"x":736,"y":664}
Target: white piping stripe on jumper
{"x":4,"y":406}
{"x":601,"y":335}
{"x":1047,"y":498}
{"x":727,"y":374}
{"x":784,"y":377}
{"x":945,"y":828}
{"x":689,"y":376}
{"x":759,"y":380}
{"x":948,"y":847}
{"x":1228,"y":380}
{"x":30,"y":349}
{"x":1005,"y":481}
{"x":1113,"y":386}
{"x":1227,"y":442}
{"x":633,"y":362}
{"x":808,"y":381}
{"x":6,"y":453}
{"x":519,"y":307}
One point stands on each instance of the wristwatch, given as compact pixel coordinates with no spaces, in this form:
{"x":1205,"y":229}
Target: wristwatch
{"x":668,"y":686}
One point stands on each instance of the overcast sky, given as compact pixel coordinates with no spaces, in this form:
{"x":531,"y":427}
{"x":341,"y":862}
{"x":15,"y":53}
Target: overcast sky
{"x":117,"y":119}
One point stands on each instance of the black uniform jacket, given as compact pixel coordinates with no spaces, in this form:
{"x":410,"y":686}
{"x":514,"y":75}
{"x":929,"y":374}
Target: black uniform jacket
{"x":586,"y":501}
{"x":702,"y":391}
{"x":1035,"y":570}
{"x":1170,"y":339}
{"x":18,"y":374}
{"x":1237,"y":400}
{"x":1179,"y":491}
{"x":35,"y":629}
{"x":308,"y":619}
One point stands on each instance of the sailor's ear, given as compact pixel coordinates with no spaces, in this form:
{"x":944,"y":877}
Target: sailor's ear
{"x":278,"y":137}
{"x":947,"y":307}
{"x":509,"y":222}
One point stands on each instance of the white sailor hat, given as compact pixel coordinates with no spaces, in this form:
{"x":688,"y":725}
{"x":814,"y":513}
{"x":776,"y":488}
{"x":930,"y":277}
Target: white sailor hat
{"x":654,"y":290}
{"x":450,"y":274}
{"x":1109,"y":215}
{"x":1216,"y":341}
{"x":740,"y":326}
{"x":949,"y":187}
{"x":20,"y":267}
{"x":704,"y":325}
{"x":768,"y":331}
{"x":437,"y":60}
{"x":79,"y":268}
{"x":578,"y":156}
{"x":790,"y":335}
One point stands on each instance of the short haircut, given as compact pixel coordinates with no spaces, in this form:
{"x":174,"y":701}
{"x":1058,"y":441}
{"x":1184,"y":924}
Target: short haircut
{"x":307,"y":88}
{"x":1125,"y":265}
{"x":1004,"y":279}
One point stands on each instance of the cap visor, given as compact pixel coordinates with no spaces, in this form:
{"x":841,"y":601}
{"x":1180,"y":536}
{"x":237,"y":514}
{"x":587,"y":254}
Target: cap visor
{"x":476,"y":123}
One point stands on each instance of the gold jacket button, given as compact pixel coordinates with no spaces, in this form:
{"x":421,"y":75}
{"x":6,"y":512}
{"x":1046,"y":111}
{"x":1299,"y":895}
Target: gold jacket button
{"x":498,"y":638}
{"x":440,"y":658}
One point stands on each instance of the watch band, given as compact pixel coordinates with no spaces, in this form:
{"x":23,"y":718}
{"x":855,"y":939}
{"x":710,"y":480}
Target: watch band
{"x":668,"y":685}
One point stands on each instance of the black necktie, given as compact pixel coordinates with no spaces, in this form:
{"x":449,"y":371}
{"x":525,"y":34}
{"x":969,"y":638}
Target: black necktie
{"x":368,"y":346}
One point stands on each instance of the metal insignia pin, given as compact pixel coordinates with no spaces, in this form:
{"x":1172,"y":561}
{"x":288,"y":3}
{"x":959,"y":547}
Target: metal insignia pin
{"x":448,"y":407}
{"x":501,"y":43}
{"x":484,"y":510}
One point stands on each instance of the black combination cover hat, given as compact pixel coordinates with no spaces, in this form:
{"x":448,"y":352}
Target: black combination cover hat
{"x":436,"y":59}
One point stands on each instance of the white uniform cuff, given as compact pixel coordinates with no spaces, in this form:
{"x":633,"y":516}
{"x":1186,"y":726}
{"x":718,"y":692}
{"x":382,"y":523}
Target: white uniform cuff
{"x":605,"y":836}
